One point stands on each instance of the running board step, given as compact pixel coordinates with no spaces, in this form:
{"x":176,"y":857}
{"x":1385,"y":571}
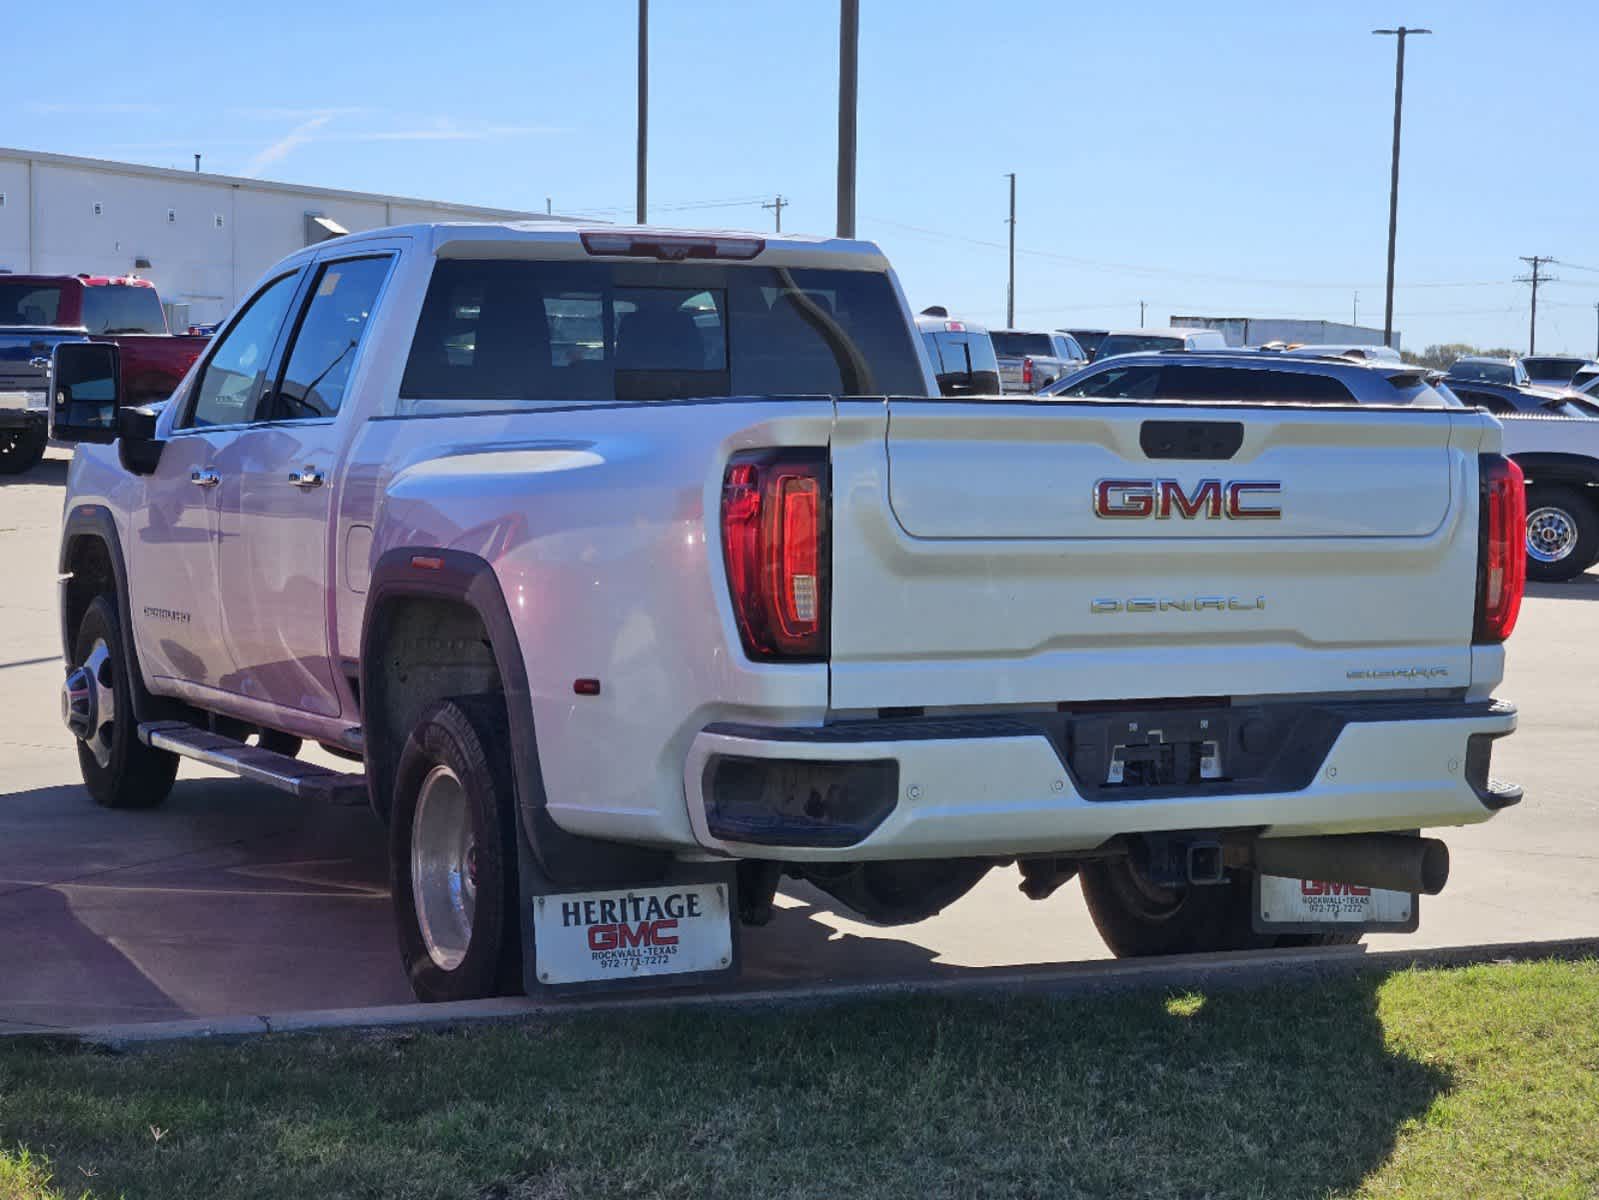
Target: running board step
{"x":303,"y":779}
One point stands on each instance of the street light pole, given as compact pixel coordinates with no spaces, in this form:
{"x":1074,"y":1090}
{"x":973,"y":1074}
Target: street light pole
{"x":1010,"y":288}
{"x":849,"y":43}
{"x":643,"y":109}
{"x":1393,"y":185}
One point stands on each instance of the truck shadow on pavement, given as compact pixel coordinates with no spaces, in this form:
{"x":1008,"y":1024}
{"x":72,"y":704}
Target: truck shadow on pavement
{"x":50,"y":470}
{"x":228,"y":899}
{"x":1583,"y":587}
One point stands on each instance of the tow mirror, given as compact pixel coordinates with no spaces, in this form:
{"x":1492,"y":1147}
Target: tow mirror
{"x":85,"y":392}
{"x":137,"y":445}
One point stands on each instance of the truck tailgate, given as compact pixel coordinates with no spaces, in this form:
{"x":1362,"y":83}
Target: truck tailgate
{"x":973,"y":566}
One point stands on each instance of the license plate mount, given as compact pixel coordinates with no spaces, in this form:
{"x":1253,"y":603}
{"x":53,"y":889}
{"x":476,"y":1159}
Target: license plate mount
{"x":1284,"y":905}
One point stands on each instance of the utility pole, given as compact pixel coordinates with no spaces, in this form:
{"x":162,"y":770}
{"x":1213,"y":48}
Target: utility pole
{"x":1354,"y":317}
{"x":849,"y":45}
{"x":1010,"y":288}
{"x":1536,"y":262}
{"x":1140,"y":314}
{"x":1393,"y":184}
{"x":643,"y":109}
{"x":777,"y":206}
{"x":196,"y":164}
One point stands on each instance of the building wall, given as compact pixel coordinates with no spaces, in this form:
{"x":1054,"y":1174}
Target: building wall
{"x":1255,"y":331}
{"x":207,"y":237}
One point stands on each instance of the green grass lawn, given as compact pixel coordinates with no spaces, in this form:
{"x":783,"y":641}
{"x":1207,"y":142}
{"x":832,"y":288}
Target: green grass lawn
{"x":1472,"y":1082}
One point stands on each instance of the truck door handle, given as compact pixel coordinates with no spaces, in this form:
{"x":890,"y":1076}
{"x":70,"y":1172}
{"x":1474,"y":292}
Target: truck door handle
{"x":310,"y":477}
{"x":205,"y":478}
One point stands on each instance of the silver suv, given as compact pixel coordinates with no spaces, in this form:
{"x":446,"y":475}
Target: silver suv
{"x":1250,"y":375}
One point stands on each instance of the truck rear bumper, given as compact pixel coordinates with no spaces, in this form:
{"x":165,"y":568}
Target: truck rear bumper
{"x":980,"y":787}
{"x":34,"y":420}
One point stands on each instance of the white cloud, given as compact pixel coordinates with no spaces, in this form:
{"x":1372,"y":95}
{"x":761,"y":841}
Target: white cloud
{"x":103,"y":109}
{"x":293,"y":114}
{"x":302,"y":133}
{"x":487,"y":133}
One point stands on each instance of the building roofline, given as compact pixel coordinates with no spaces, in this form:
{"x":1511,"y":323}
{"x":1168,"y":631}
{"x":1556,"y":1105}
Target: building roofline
{"x":139,"y":170}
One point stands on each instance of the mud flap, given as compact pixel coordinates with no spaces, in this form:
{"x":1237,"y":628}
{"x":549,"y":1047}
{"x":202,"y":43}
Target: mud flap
{"x":679,"y":930}
{"x":1315,"y":906}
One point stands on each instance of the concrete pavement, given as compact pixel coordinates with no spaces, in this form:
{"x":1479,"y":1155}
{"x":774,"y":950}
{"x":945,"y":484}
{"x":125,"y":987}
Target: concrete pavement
{"x":232,"y":899}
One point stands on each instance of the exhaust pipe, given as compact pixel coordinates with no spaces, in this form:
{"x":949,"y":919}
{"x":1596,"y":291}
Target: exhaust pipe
{"x":1393,"y":861}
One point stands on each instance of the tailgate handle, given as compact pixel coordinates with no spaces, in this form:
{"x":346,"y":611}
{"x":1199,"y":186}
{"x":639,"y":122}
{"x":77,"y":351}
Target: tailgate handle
{"x":1191,"y":440}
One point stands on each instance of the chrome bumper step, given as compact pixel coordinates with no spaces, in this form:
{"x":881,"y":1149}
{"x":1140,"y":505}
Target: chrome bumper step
{"x":303,"y":779}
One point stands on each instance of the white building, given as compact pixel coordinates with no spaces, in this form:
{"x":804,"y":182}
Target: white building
{"x":201,"y":239}
{"x":1257,"y":331}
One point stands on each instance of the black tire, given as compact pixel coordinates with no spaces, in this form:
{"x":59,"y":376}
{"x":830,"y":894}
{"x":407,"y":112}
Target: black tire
{"x":134,"y":775}
{"x":469,"y":737}
{"x":1286,"y":940}
{"x":21,"y":450}
{"x":1562,"y":532}
{"x":1137,"y":919}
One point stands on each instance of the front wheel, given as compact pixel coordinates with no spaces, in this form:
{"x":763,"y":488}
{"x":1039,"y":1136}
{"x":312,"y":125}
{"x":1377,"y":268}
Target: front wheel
{"x":452,"y":853}
{"x":119,"y":770}
{"x":21,"y":450}
{"x":1562,"y":532}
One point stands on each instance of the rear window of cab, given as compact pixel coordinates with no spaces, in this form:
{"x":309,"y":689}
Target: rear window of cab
{"x":529,"y":330}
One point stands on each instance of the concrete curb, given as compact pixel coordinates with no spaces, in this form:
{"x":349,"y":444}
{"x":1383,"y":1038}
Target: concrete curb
{"x":1081,"y":978}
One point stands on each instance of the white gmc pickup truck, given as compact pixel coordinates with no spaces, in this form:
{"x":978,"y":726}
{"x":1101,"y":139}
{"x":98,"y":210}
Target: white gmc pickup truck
{"x":639,"y":569}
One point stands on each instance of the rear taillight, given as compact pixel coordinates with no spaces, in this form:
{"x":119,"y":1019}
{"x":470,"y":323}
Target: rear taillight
{"x":1502,"y":553}
{"x":1027,"y":372}
{"x":774,"y":540}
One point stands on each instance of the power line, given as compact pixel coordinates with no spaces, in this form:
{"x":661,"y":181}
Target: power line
{"x":1136,"y":269}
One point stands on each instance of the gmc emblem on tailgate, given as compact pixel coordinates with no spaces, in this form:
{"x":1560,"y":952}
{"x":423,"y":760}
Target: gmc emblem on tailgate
{"x":1212,"y":499}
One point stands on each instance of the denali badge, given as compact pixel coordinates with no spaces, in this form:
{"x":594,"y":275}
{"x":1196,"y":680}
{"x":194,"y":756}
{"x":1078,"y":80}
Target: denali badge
{"x":1400,"y":673}
{"x":1211,"y":499}
{"x":1143,"y":604}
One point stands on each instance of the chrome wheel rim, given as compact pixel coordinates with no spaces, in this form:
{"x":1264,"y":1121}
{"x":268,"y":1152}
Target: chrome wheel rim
{"x":89,"y":702}
{"x":444,"y":867}
{"x":1551,"y":534}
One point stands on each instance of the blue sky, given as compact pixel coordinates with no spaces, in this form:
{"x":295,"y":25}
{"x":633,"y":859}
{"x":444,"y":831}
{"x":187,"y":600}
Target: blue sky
{"x":1220,"y":158}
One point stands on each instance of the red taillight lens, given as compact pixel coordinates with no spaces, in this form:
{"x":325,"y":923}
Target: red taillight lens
{"x":774,"y":540}
{"x":1027,"y":372}
{"x":1502,"y":557}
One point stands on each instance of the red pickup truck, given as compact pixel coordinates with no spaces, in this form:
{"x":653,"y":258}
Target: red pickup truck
{"x":39,"y":311}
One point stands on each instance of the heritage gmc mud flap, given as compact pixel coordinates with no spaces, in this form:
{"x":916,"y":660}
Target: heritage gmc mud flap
{"x":1315,"y":906}
{"x":667,"y":934}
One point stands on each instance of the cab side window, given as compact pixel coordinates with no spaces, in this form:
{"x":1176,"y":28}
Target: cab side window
{"x":323,"y":351}
{"x":1118,"y":383}
{"x":232,"y":378}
